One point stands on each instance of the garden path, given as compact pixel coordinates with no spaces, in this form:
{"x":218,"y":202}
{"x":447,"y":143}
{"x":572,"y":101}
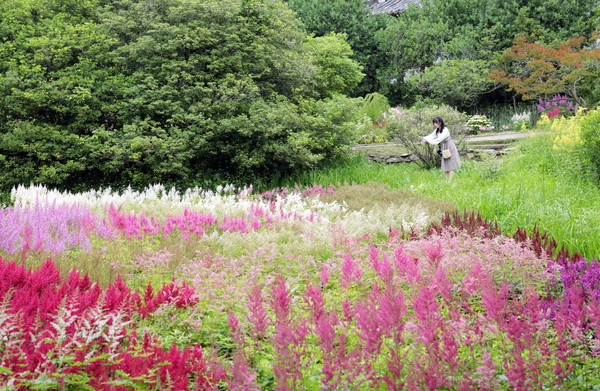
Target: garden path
{"x":499,"y":136}
{"x":495,"y":143}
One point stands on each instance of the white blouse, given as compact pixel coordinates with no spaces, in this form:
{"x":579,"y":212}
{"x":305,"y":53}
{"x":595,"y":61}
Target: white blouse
{"x":435,"y":139}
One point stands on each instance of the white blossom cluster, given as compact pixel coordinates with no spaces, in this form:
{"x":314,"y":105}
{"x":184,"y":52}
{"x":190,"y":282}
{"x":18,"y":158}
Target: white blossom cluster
{"x":231,"y":201}
{"x":521,"y":117}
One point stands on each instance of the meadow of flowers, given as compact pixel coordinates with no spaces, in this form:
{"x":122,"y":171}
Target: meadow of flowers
{"x":284,"y":290}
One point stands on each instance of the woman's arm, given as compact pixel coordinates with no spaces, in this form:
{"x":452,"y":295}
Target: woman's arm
{"x":434,"y":139}
{"x":428,"y":137}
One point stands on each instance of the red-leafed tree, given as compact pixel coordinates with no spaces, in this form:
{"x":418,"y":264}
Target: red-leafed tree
{"x":534,"y":70}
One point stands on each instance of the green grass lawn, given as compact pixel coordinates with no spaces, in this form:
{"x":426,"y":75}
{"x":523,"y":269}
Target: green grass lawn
{"x":530,"y":187}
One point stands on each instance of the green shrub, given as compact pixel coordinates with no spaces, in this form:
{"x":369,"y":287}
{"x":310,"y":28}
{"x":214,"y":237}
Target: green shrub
{"x":454,"y":82}
{"x":33,"y":152}
{"x":479,"y":123}
{"x":590,"y":135}
{"x":375,"y":104}
{"x":181,"y":92}
{"x":371,"y":126}
{"x":405,"y":126}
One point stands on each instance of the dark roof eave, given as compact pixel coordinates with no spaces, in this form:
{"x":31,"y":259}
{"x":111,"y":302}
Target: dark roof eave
{"x":391,"y":7}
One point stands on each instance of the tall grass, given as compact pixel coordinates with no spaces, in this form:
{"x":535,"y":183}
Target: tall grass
{"x":532,"y":187}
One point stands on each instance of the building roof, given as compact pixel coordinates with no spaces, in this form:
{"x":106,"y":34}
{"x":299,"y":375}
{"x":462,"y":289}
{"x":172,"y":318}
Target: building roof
{"x":392,"y":7}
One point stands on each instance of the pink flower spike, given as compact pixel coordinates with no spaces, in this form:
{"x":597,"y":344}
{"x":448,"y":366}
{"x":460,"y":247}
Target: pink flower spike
{"x":324,"y":275}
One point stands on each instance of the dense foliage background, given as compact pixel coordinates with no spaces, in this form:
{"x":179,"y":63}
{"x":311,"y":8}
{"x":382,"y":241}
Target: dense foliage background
{"x":131,"y":92}
{"x":458,"y":41}
{"x":98,"y":93}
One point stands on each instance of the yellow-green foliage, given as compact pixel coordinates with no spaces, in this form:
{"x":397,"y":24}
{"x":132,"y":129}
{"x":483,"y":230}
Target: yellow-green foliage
{"x":375,"y":104}
{"x":590,"y":135}
{"x":566,"y":133}
{"x":544,"y":122}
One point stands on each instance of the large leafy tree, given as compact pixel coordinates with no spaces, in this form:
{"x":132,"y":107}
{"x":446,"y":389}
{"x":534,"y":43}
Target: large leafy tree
{"x":50,"y":87}
{"x":354,"y":19}
{"x":436,"y":31}
{"x":176,"y":91}
{"x":545,"y":21}
{"x":458,"y":83}
{"x":535,"y":70}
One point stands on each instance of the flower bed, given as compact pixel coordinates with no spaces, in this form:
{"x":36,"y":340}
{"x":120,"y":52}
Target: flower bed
{"x":284,"y":291}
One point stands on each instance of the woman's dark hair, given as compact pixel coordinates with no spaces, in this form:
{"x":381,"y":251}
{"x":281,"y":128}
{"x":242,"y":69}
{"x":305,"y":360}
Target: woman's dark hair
{"x":440,"y":121}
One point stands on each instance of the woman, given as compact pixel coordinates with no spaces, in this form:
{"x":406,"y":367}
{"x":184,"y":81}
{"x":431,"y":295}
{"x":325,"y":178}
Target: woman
{"x":441,"y":136}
